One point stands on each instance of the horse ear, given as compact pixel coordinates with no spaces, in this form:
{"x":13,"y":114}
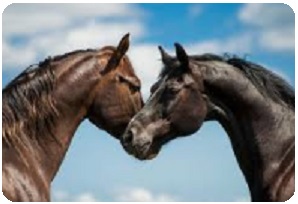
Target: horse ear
{"x":181,"y":55}
{"x":165,"y":57}
{"x":118,"y":54}
{"x":123,"y":45}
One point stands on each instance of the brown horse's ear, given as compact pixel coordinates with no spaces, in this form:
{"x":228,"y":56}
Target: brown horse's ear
{"x":181,"y":55}
{"x":123,"y":45}
{"x":165,"y":57}
{"x":118,"y":54}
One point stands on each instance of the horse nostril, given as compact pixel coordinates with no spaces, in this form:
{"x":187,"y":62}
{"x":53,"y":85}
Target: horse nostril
{"x":146,"y":144}
{"x":128,"y":137}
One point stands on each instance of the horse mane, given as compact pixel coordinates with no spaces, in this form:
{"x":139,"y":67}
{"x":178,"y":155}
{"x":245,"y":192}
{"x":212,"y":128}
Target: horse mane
{"x":28,"y":108}
{"x":268,"y":83}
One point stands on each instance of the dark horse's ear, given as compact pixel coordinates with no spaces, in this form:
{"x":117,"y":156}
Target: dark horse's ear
{"x":165,"y":57}
{"x":118,"y":54}
{"x":181,"y":55}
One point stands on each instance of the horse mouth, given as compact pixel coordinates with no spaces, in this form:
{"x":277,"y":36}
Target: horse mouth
{"x":145,"y":155}
{"x":146,"y":148}
{"x":141,"y":152}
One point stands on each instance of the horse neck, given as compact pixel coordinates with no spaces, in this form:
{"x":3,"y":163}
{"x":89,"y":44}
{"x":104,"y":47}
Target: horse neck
{"x":72,"y":93}
{"x":261,"y":131}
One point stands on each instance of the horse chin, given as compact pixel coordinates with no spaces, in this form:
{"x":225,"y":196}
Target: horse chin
{"x":152,"y":156}
{"x":149,"y":154}
{"x":145,"y":156}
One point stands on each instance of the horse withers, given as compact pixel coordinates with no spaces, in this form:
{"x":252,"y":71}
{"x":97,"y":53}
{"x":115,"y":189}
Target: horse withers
{"x":44,"y":105}
{"x":255,"y":107}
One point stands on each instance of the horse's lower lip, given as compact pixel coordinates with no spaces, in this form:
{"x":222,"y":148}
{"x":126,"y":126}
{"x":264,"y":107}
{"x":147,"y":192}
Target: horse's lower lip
{"x":145,"y":156}
{"x":140,"y":153}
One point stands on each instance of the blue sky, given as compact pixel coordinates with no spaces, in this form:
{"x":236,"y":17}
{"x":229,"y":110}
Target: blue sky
{"x":201,"y":167}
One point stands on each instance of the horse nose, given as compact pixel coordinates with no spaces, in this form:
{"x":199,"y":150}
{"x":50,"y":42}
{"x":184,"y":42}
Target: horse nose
{"x":135,"y":141}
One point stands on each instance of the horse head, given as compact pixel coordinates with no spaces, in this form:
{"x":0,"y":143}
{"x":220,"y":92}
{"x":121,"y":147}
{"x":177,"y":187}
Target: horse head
{"x":175,"y":108}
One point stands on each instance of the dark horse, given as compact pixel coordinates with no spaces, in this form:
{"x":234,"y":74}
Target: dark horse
{"x":44,"y":105}
{"x":254,"y":106}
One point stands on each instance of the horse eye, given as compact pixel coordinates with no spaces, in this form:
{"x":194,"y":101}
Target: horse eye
{"x":174,"y":88}
{"x":134,"y":88}
{"x":180,"y":79}
{"x":171,"y":92}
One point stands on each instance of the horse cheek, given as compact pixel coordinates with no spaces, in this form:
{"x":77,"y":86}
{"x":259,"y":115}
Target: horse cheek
{"x":191,"y":111}
{"x":196,"y":110}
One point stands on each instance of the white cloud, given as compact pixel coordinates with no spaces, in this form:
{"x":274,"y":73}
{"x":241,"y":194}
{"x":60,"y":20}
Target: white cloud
{"x":278,"y":39}
{"x":55,"y":29}
{"x":62,"y":196}
{"x":274,"y":24}
{"x":142,"y":195}
{"x":85,"y":197}
{"x":194,"y":10}
{"x":25,"y":19}
{"x":89,"y":35}
{"x":239,"y":45}
{"x":146,"y":60}
{"x":124,"y":195}
{"x":235,"y":45}
{"x":266,"y":15}
{"x":17,"y":56}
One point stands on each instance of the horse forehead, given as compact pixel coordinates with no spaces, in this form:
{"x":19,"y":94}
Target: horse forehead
{"x":125,"y":67}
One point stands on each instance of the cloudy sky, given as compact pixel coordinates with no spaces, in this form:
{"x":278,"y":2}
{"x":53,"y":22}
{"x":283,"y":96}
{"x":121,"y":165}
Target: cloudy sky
{"x":197,"y":168}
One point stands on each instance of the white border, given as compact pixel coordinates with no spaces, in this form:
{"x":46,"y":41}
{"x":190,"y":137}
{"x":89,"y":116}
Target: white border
{"x":5,"y":3}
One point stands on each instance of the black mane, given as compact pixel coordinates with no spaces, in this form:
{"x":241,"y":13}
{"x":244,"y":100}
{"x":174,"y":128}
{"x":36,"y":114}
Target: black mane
{"x":267,"y":82}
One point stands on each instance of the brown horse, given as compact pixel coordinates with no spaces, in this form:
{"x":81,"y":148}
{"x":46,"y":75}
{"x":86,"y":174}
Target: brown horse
{"x":254,"y":106}
{"x":44,"y":105}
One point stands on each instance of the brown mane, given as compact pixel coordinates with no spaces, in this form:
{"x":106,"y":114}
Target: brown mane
{"x":28,"y":106}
